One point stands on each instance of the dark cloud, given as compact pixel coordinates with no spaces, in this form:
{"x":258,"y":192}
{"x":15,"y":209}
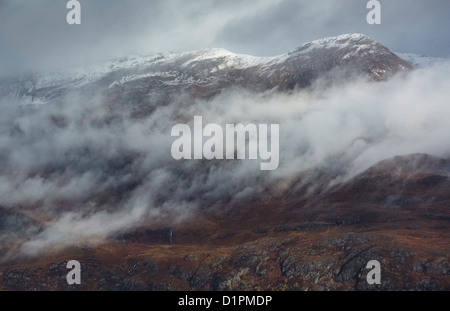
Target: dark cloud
{"x":416,"y":26}
{"x":34,"y":34}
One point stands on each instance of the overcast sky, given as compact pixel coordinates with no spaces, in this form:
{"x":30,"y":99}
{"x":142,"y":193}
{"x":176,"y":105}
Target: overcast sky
{"x":34,"y":34}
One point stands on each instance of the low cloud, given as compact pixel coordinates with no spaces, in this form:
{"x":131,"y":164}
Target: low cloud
{"x":86,"y":172}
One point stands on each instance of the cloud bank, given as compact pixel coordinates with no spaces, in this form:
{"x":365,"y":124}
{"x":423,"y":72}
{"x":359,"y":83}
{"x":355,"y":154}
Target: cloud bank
{"x":86,"y":172}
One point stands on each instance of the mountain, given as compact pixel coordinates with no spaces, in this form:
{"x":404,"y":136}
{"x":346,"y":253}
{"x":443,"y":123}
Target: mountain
{"x":322,"y":243}
{"x":81,"y":179}
{"x":151,"y":81}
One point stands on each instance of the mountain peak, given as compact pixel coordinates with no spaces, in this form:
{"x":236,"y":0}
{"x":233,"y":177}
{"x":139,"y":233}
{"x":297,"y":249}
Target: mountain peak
{"x":207,"y":72}
{"x":339,"y":42}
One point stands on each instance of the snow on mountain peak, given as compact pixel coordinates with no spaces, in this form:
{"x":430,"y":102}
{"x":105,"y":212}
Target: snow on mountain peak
{"x":214,"y":69}
{"x":341,"y":41}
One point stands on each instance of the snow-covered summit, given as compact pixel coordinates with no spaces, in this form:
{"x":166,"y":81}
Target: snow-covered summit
{"x":207,"y":72}
{"x":341,"y":42}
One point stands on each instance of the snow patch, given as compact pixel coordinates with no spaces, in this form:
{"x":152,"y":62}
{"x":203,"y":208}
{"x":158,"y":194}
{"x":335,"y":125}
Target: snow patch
{"x":420,"y":61}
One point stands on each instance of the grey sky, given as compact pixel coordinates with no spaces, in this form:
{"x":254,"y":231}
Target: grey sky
{"x":34,"y":34}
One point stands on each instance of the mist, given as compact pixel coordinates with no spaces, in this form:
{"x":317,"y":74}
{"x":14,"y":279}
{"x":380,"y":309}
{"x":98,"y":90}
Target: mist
{"x":85,"y":172}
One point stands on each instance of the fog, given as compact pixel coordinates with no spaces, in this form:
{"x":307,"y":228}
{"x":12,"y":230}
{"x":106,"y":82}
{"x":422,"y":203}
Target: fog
{"x":86,"y":173}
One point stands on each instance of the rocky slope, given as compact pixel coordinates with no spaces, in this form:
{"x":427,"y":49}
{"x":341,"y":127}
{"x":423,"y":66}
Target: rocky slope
{"x":322,"y":243}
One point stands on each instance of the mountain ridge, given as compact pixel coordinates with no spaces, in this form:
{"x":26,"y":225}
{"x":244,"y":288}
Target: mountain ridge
{"x":207,"y":72}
